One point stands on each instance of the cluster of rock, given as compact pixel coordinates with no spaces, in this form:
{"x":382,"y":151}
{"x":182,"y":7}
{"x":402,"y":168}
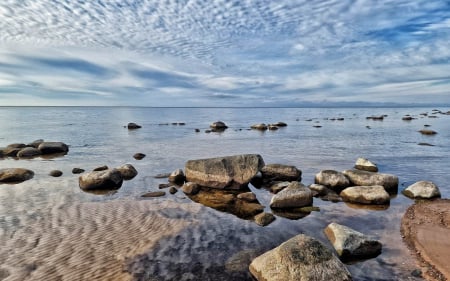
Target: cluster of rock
{"x":271,"y":127}
{"x":34,"y":149}
{"x":106,"y":178}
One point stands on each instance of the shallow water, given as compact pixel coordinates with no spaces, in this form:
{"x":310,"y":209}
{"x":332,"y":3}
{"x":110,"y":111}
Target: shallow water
{"x":180,"y":239}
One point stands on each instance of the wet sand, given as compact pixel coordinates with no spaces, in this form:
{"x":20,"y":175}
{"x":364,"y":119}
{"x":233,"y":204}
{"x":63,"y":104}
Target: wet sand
{"x":426,"y":228}
{"x":86,"y":241}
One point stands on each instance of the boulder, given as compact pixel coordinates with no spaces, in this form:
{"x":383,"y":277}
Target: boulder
{"x":177,"y":176}
{"x":231,"y":172}
{"x":296,"y":195}
{"x":12,"y":175}
{"x":375,"y":194}
{"x":127,"y":171}
{"x":422,"y":190}
{"x":364,"y":178}
{"x":106,"y":179}
{"x":218,"y":126}
{"x":332,"y":179}
{"x":260,"y":126}
{"x":364,"y":164}
{"x":247,"y":196}
{"x":132,"y":126}
{"x":279,"y":172}
{"x":55,"y":173}
{"x":264,"y":219}
{"x":351,"y":244}
{"x":28,"y":152}
{"x":53,"y":147}
{"x":139,"y":156}
{"x":190,"y":188}
{"x":300,"y":258}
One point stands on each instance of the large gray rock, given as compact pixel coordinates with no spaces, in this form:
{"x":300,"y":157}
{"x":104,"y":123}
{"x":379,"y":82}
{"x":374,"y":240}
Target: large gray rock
{"x":365,"y":178}
{"x":332,"y":179}
{"x":375,"y":194}
{"x":296,"y":195}
{"x":300,"y":258}
{"x":12,"y":175}
{"x":101,"y":180}
{"x":28,"y":152}
{"x":279,"y":172}
{"x":53,"y":147}
{"x":127,"y":171}
{"x":423,"y":190}
{"x":351,"y":244}
{"x":231,"y":172}
{"x":364,"y":164}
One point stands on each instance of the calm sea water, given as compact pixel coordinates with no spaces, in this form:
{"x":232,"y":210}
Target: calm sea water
{"x":219,"y":245}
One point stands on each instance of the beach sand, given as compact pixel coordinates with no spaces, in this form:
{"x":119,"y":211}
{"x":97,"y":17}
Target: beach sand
{"x":87,"y":241}
{"x":426,"y":230}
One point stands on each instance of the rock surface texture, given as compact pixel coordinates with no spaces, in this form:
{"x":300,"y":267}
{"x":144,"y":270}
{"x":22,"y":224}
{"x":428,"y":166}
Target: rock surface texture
{"x":375,"y":194}
{"x":422,"y":190}
{"x":357,"y":177}
{"x":332,"y":179}
{"x":107,"y":179}
{"x":365,"y":165}
{"x":279,"y":172}
{"x":296,"y":195}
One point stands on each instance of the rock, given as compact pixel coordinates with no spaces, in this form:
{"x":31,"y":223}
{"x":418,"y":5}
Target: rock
{"x":13,"y":175}
{"x":177,"y":176}
{"x":300,"y":258}
{"x":351,"y":244}
{"x":427,"y":132}
{"x":164,"y":185}
{"x":260,"y":126}
{"x":16,"y":145}
{"x":53,"y":147}
{"x":173,"y":190}
{"x":247,"y":196}
{"x":231,"y":172}
{"x":154,"y":194}
{"x":101,"y":168}
{"x":279,"y":186}
{"x":407,"y":118}
{"x":139,"y":156}
{"x":264,"y":219}
{"x":279,"y":172}
{"x":190,"y":188}
{"x":257,"y":180}
{"x":35,"y":143}
{"x":332,"y":179}
{"x":294,"y":196}
{"x":375,"y":194}
{"x":425,"y":144}
{"x":422,"y":190}
{"x":219,"y":125}
{"x":11,"y":151}
{"x":197,"y":130}
{"x":107,"y":179}
{"x":319,"y":189}
{"x":272,"y":128}
{"x":127,"y":171}
{"x":28,"y":152}
{"x":379,"y":118}
{"x":132,"y":126}
{"x":77,"y":171}
{"x":364,"y":178}
{"x":162,"y":176}
{"x":280,"y":124}
{"x":365,"y":165}
{"x":55,"y":173}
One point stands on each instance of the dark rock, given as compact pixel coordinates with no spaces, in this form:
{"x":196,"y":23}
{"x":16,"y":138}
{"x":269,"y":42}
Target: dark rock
{"x":364,"y":178}
{"x":127,"y":171}
{"x":11,"y":151}
{"x":55,"y":173}
{"x":272,"y":128}
{"x":132,"y":126}
{"x":28,"y":152}
{"x":77,"y":171}
{"x":101,"y":168}
{"x":407,"y":118}
{"x":279,"y":172}
{"x":427,"y":132}
{"x":257,"y":180}
{"x":15,"y":175}
{"x":197,"y":130}
{"x":294,"y":196}
{"x":425,"y":144}
{"x":280,"y":124}
{"x":154,"y":194}
{"x":332,"y":179}
{"x":164,"y":185}
{"x":231,"y":172}
{"x":190,"y":188}
{"x":219,"y":125}
{"x":139,"y":156}
{"x":107,"y":179}
{"x":422,"y":190}
{"x":16,"y":145}
{"x":300,"y":258}
{"x":177,"y":176}
{"x":351,"y":244}
{"x":375,"y":194}
{"x":173,"y":190}
{"x":35,"y":143}
{"x":264,"y":219}
{"x":53,"y":147}
{"x":162,"y":176}
{"x":364,"y":164}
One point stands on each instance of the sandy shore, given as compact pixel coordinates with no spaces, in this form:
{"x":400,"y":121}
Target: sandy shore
{"x":426,"y":230}
{"x":86,"y":241}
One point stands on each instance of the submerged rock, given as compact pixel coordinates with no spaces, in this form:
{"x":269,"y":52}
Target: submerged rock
{"x":107,"y":179}
{"x":231,"y":172}
{"x":294,"y":196}
{"x":332,"y":179}
{"x":247,"y":196}
{"x":260,"y":127}
{"x":365,"y":178}
{"x":422,"y":190}
{"x":364,"y":164}
{"x":13,"y":175}
{"x":351,"y":244}
{"x":132,"y":126}
{"x":375,"y":194}
{"x":127,"y":171}
{"x":280,"y":172}
{"x":300,"y":258}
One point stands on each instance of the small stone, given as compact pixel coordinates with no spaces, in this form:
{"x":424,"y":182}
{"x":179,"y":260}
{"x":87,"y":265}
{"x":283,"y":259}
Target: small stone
{"x":77,"y":171}
{"x":13,"y":175}
{"x":128,"y":171}
{"x":164,"y":185}
{"x":365,"y":165}
{"x":279,"y":186}
{"x":375,"y":194}
{"x":427,"y":132}
{"x":162,"y":176}
{"x":101,"y":168}
{"x":132,"y":126}
{"x":55,"y":173}
{"x":154,"y":194}
{"x":139,"y":156}
{"x":177,"y":176}
{"x":264,"y":219}
{"x":173,"y":190}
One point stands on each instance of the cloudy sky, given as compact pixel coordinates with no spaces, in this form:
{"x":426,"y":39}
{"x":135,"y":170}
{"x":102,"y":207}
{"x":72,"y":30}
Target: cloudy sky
{"x":224,"y":53}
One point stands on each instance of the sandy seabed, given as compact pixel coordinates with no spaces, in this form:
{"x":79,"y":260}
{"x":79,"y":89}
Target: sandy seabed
{"x":86,"y":241}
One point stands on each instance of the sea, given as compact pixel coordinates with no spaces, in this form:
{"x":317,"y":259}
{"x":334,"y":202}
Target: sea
{"x":50,"y":229}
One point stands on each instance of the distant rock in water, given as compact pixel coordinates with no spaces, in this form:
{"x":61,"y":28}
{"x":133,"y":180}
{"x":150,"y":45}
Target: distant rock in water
{"x":35,"y":143}
{"x":101,"y":180}
{"x":218,"y":126}
{"x":77,"y":171}
{"x":364,"y":164}
{"x":427,"y":132}
{"x":28,"y":152}
{"x":264,"y":219}
{"x":260,"y":127}
{"x":154,"y":194}
{"x":422,"y":190}
{"x":133,"y":126}
{"x":177,"y":176}
{"x":15,"y":175}
{"x":425,"y":144}
{"x":139,"y":156}
{"x":55,"y":173}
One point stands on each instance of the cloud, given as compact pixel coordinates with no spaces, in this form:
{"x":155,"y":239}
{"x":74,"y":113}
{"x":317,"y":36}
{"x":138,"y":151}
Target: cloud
{"x":241,"y":52}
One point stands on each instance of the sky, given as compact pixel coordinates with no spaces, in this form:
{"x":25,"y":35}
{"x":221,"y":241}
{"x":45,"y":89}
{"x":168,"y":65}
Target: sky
{"x":224,"y":53}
